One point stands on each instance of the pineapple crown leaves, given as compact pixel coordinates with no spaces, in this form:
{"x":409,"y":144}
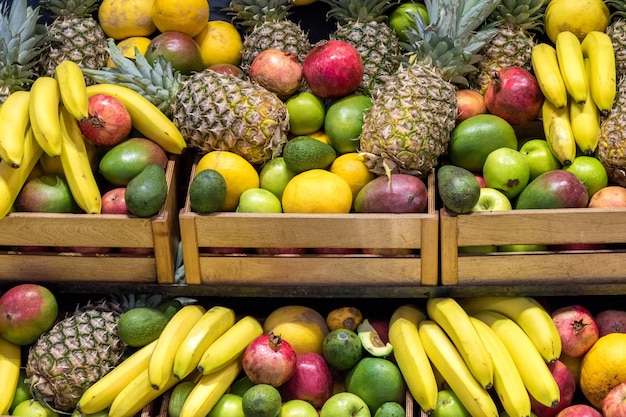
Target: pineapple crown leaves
{"x":359,"y":10}
{"x":246,"y":14}
{"x":22,"y":37}
{"x":526,"y":15}
{"x":81,"y":8}
{"x":617,"y":7}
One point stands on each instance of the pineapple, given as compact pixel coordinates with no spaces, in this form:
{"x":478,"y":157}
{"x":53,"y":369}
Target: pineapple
{"x":362,"y":23}
{"x":617,"y":32}
{"x":409,"y":124}
{"x":611,"y":149}
{"x":264,"y":25}
{"x":516,"y":21}
{"x":75,"y":34}
{"x":22,"y":40}
{"x":213,"y":111}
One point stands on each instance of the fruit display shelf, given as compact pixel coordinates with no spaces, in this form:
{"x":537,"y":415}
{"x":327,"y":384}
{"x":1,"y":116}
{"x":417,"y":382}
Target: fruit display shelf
{"x":45,"y":230}
{"x":418,"y":233}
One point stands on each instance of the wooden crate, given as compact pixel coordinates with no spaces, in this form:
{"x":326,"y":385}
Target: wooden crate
{"x":415,"y":232}
{"x":546,"y":227}
{"x":159,"y":232}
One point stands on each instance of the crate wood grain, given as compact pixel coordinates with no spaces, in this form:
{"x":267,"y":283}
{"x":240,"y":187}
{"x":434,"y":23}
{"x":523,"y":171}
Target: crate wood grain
{"x":546,"y":227}
{"x":159,"y":232}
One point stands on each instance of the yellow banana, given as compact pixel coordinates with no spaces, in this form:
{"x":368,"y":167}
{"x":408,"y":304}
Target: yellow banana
{"x":585,"y":120}
{"x":534,"y":371}
{"x":100,"y":395}
{"x":546,"y":69}
{"x":570,"y":58}
{"x":12,"y":179}
{"x":558,"y":131}
{"x":597,"y":46}
{"x":209,"y":389}
{"x":212,"y":325}
{"x":44,"y":114}
{"x":446,"y":358}
{"x":229,"y":345}
{"x":528,"y":314}
{"x":72,"y":88}
{"x":411,"y":356}
{"x":453,"y":319}
{"x":161,"y":366}
{"x":137,"y":394}
{"x":507,"y":382}
{"x":146,"y":117}
{"x":14,"y":121}
{"x":76,"y":165}
{"x":10,"y":361}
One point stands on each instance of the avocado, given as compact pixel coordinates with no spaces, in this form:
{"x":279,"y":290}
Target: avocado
{"x":207,"y":191}
{"x":458,"y":188}
{"x":304,"y":153}
{"x":127,"y":159}
{"x":146,"y":192}
{"x":178,"y":396}
{"x":371,"y":342}
{"x":141,"y":325}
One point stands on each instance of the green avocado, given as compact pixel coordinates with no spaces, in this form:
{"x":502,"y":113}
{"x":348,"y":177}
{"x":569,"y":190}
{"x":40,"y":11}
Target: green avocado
{"x":458,"y":188}
{"x":146,"y":193}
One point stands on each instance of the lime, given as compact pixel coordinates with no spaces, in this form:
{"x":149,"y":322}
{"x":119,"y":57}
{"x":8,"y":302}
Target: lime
{"x":344,"y":122}
{"x":207,"y":191}
{"x":230,"y":405}
{"x":342,"y":349}
{"x":306,"y":113}
{"x":22,"y":391}
{"x":261,"y":400}
{"x":240,"y":386}
{"x":390,"y":409}
{"x":590,"y":172}
{"x":275,"y":175}
{"x":376,"y":381}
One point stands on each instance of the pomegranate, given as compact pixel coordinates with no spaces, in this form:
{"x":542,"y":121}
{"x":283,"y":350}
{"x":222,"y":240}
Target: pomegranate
{"x":577,"y":328}
{"x":469,"y":103}
{"x":277,"y":71}
{"x":333,"y":69}
{"x":514,"y":94}
{"x":567,"y":386}
{"x":269,"y":359}
{"x":109,"y":122}
{"x":312,"y":380}
{"x":610,"y":321}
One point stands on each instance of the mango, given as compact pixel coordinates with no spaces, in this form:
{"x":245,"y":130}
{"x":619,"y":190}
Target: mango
{"x":553,"y":189}
{"x":126,"y":160}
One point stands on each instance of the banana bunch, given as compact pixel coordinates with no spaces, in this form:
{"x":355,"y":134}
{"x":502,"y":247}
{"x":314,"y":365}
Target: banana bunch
{"x":10,"y":361}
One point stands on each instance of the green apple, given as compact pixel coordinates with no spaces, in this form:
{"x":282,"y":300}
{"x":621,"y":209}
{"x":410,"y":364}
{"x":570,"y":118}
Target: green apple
{"x":297,"y":408}
{"x":539,"y":157}
{"x":275,"y":175}
{"x":345,"y":404}
{"x":506,"y":170}
{"x":258,"y":200}
{"x":306,"y":113}
{"x":491,"y":199}
{"x":401,"y":17}
{"x":229,"y":405}
{"x":449,"y":405}
{"x":33,"y":408}
{"x":590,"y":172}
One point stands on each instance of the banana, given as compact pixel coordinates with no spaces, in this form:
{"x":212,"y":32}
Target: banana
{"x":570,"y":58}
{"x":100,"y":395}
{"x":585,"y":120}
{"x":209,"y":389}
{"x":76,"y":165}
{"x":531,"y":366}
{"x":453,"y":319}
{"x":446,"y":358}
{"x":72,"y":88}
{"x":10,"y":361}
{"x":161,"y":366}
{"x":546,"y":69}
{"x":44,"y":114}
{"x":12,"y":179}
{"x":137,"y":393}
{"x":507,"y":382}
{"x":14,"y":121}
{"x":411,"y":356}
{"x":558,"y":131}
{"x":597,"y":46}
{"x":211,"y":326}
{"x":528,"y":314}
{"x":229,"y":345}
{"x":146,"y":117}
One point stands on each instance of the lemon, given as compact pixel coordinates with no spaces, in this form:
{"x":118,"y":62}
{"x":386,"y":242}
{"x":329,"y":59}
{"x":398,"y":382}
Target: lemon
{"x":127,"y":47}
{"x":304,"y":328}
{"x":317,"y":191}
{"x":220,"y":43}
{"x":603,"y":367}
{"x":121,"y":19}
{"x":352,"y":168}
{"x":239,"y":174}
{"x":579,"y":17}
{"x":184,"y":16}
{"x":321,"y":136}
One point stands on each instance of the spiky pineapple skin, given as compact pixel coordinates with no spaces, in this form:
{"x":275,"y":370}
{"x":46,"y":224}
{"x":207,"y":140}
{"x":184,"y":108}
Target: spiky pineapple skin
{"x":611,"y":149}
{"x":617,"y":33}
{"x":76,"y":352}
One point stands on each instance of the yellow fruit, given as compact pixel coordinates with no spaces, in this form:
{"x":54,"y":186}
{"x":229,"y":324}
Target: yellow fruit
{"x":579,"y":17}
{"x":352,"y":169}
{"x":127,"y":47}
{"x":239,"y":174}
{"x":184,"y":16}
{"x":121,"y":19}
{"x":344,"y":318}
{"x":321,"y":136}
{"x":603,"y":367}
{"x":317,"y":191}
{"x":220,"y":43}
{"x":302,"y":327}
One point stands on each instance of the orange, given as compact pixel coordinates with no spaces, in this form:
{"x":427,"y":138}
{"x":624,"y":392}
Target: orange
{"x":603,"y":367}
{"x":127,"y":47}
{"x":185,"y":16}
{"x":352,"y":168}
{"x":220,"y":43}
{"x":303,"y":327}
{"x":121,"y":19}
{"x":317,"y":191}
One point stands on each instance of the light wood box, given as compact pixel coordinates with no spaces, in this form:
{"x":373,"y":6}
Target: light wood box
{"x":159,"y":232}
{"x":546,"y":226}
{"x":418,"y":232}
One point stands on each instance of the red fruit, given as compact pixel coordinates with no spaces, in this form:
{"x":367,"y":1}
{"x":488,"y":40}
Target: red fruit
{"x":109,"y":122}
{"x":277,"y":71}
{"x":382,"y":328}
{"x":614,"y":404}
{"x":579,"y":410}
{"x":469,"y":103}
{"x":333,"y":69}
{"x":514,"y":95}
{"x":312,"y":380}
{"x":269,"y":359}
{"x":567,"y":386}
{"x":229,"y":69}
{"x":26,"y":311}
{"x":577,"y":328}
{"x":114,"y":202}
{"x":610,"y":321}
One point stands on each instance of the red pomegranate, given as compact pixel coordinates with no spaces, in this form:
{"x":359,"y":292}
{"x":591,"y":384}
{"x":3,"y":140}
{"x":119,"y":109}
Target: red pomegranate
{"x":278,"y":71}
{"x":333,"y":69}
{"x":109,"y":122}
{"x":577,"y":328}
{"x":269,"y":359}
{"x":514,"y":95}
